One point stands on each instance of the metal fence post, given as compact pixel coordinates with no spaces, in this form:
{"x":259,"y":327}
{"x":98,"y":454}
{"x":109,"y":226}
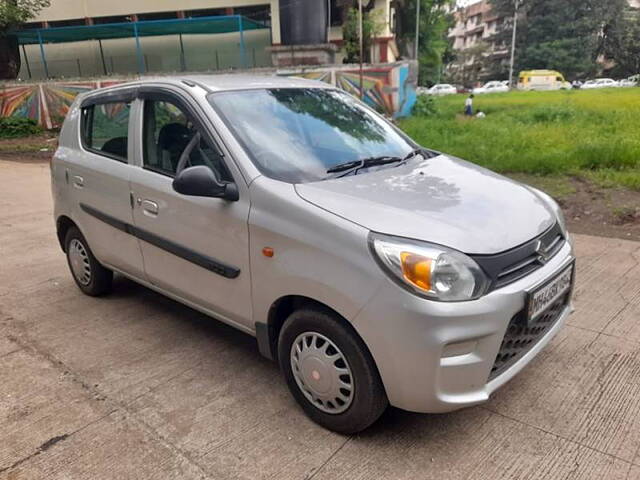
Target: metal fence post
{"x":183,"y":60}
{"x":26,"y":61}
{"x":44,"y":58}
{"x":141,"y":68}
{"x":104,"y":65}
{"x":243,"y":61}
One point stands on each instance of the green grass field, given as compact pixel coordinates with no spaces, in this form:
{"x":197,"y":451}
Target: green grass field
{"x":593,"y":134}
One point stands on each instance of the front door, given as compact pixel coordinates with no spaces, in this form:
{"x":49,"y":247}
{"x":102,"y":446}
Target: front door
{"x":194,"y":247}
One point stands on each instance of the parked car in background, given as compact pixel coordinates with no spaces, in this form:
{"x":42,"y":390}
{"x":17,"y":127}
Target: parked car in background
{"x":632,"y":81}
{"x":442,"y":89}
{"x":542,"y":80}
{"x":375,"y":271}
{"x":600,"y":83}
{"x":494,"y":86}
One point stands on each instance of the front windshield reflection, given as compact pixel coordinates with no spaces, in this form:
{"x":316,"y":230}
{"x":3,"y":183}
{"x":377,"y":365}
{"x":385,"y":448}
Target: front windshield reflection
{"x":297,"y":134}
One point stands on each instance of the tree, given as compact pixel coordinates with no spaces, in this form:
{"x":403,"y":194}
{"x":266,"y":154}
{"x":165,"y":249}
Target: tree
{"x":12,"y":14}
{"x":435,"y":22}
{"x":568,"y":36}
{"x":371,"y":26}
{"x":467,"y":66}
{"x":623,"y":44}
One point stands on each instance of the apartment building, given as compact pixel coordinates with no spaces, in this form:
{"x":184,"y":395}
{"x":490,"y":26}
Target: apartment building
{"x":472,"y":40}
{"x":226,"y":47}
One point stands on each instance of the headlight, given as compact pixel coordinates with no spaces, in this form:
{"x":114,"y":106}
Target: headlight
{"x":429,"y":270}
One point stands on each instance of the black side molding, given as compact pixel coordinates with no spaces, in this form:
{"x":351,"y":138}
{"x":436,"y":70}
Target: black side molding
{"x":208,"y":263}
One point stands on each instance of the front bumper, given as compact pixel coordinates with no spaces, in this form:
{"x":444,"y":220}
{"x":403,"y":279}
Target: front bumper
{"x":437,"y":357}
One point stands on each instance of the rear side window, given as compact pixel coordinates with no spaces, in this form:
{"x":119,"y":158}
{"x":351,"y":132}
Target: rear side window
{"x":105,"y":129}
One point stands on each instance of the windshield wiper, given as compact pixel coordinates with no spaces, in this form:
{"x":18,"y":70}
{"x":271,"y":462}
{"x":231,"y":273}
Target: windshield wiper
{"x":354,"y":165}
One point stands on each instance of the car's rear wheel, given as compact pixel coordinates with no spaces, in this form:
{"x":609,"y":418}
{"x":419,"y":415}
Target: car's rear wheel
{"x":330,"y":372}
{"x":90,"y":276}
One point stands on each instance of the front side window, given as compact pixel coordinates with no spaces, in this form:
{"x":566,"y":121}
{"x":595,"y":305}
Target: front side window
{"x":168,"y":132}
{"x":105,"y":129}
{"x":297,"y":134}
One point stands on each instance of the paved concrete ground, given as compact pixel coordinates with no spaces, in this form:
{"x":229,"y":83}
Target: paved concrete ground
{"x":137,"y":386}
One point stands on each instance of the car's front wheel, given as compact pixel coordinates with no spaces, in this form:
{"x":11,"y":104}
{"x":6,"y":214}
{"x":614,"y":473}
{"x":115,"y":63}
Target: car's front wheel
{"x":329,"y":371}
{"x":92,"y":278}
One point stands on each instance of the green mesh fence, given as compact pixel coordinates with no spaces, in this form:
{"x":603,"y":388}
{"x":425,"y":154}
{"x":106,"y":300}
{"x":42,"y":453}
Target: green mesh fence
{"x":184,"y":26}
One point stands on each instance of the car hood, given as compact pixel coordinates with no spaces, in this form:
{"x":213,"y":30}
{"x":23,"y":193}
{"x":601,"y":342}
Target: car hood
{"x":442,"y":200}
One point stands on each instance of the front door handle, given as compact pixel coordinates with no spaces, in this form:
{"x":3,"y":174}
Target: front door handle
{"x":78,"y":181}
{"x":150,"y":207}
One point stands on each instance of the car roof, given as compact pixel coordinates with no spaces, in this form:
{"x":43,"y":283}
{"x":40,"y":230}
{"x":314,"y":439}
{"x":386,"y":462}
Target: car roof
{"x":225,"y":82}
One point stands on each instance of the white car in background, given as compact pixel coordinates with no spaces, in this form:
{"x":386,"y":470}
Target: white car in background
{"x":494,"y":86}
{"x":599,"y":83}
{"x":442,"y":89}
{"x":633,"y":81}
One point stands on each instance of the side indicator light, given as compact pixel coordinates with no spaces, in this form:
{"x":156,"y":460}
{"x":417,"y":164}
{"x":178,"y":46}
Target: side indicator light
{"x":268,"y":252}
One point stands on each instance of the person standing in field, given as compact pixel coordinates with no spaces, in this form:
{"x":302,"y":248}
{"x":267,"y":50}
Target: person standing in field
{"x":468,"y":106}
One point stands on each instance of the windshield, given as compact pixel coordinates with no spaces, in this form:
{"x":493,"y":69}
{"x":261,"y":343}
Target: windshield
{"x":297,"y":134}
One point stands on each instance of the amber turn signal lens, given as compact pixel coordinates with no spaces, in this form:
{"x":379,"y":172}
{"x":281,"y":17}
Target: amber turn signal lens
{"x":417,"y":270}
{"x":267,"y":252}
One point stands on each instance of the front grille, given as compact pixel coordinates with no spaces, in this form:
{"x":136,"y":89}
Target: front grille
{"x":520,"y":338}
{"x":507,"y":267}
{"x":535,"y":260}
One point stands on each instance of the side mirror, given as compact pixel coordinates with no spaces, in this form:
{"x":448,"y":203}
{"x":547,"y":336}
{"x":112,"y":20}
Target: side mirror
{"x":200,"y":181}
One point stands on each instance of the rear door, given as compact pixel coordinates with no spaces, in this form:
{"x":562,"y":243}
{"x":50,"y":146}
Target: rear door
{"x":98,"y":177}
{"x":194,"y":247}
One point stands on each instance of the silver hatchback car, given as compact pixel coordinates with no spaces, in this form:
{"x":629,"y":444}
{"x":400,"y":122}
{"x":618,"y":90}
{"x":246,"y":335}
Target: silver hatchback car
{"x":375,"y":271}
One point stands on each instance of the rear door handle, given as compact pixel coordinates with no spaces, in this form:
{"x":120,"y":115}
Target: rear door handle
{"x":150,"y":207}
{"x":78,"y":181}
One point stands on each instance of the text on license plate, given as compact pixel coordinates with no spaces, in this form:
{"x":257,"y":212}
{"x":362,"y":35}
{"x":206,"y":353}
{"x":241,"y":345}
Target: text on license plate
{"x":542,"y":298}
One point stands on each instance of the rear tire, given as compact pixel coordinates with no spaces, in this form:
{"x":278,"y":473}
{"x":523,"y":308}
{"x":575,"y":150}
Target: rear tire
{"x":330,"y":372}
{"x":90,"y":276}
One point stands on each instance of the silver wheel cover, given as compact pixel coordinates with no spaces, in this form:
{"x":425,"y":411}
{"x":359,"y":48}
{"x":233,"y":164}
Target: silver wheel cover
{"x":322,"y":372}
{"x":79,"y":261}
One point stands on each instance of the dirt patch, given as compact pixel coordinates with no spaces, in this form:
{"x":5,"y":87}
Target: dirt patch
{"x":26,"y":157}
{"x":44,"y":143}
{"x":591,"y":209}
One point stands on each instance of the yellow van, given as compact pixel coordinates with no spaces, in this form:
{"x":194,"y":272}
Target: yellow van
{"x":542,"y":80}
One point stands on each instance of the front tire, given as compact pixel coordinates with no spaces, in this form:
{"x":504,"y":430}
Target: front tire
{"x":330,"y":372}
{"x":90,"y":276}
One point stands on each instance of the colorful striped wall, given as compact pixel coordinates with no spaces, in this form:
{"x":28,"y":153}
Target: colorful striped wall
{"x":389,"y":88}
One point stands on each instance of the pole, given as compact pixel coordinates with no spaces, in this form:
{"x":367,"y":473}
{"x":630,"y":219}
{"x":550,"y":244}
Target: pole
{"x":104,"y":65}
{"x":361,"y":48}
{"x":183,"y":62}
{"x":243,"y":61}
{"x":44,"y":58}
{"x":513,"y":43}
{"x":141,"y":68}
{"x":26,"y":61}
{"x":417,"y":28}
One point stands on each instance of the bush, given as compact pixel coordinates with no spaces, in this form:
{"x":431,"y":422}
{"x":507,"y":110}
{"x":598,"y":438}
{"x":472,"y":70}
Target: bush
{"x":425,"y":106}
{"x":14,"y":127}
{"x":546,"y":114}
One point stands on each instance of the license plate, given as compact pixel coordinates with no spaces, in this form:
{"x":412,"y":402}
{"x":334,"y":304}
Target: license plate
{"x":542,"y":298}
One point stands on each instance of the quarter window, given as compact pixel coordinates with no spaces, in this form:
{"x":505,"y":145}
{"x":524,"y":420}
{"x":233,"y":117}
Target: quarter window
{"x":105,"y":129}
{"x":167,"y":133}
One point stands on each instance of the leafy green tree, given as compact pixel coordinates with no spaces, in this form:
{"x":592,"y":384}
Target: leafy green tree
{"x":371,"y":26}
{"x":12,"y":14}
{"x":623,"y":43}
{"x":568,"y":36}
{"x":435,"y":22}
